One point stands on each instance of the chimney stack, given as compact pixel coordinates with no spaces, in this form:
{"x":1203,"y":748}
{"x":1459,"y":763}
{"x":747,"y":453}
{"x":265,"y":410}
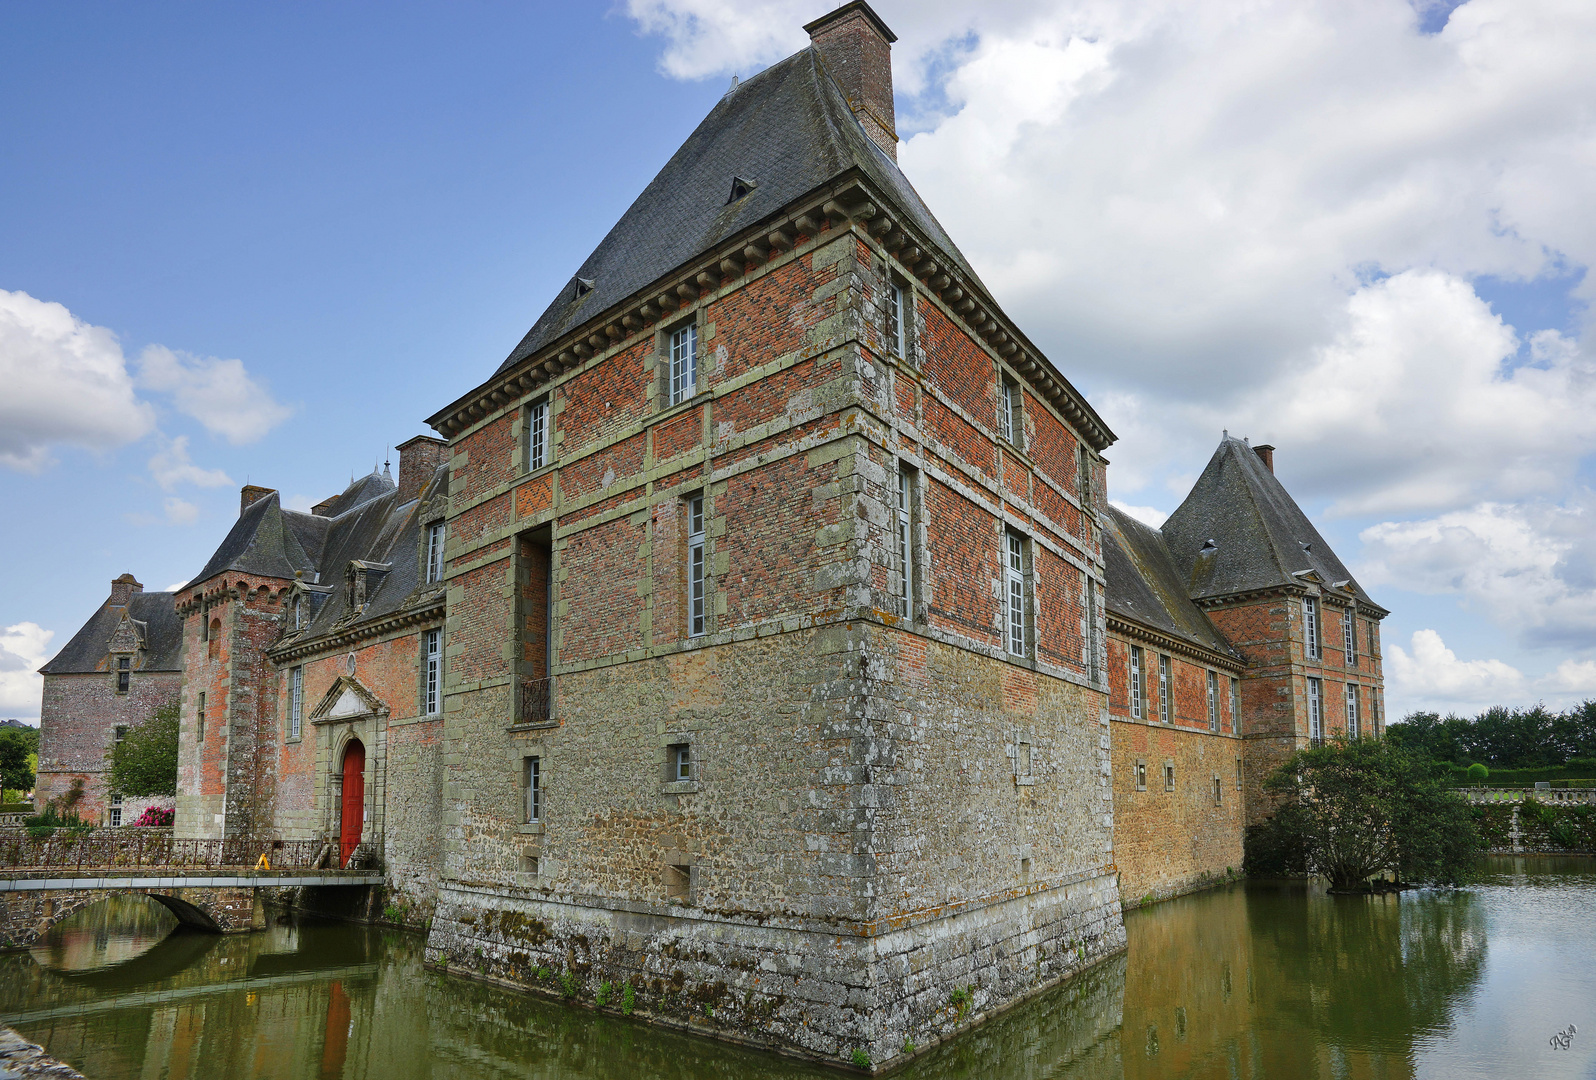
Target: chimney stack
{"x":122,"y":590}
{"x":857,"y":48}
{"x":251,"y":493}
{"x":419,"y":458}
{"x":1266,"y":454}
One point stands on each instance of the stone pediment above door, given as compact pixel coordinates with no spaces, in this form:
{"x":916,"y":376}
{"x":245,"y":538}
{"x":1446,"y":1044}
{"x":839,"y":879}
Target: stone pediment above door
{"x":347,"y":699}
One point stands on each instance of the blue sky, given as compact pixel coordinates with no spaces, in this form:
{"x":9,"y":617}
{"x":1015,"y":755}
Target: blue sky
{"x":308,"y":228}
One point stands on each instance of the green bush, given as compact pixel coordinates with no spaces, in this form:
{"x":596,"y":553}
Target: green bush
{"x":861,"y":1059}
{"x":1478,"y":773}
{"x":628,"y":999}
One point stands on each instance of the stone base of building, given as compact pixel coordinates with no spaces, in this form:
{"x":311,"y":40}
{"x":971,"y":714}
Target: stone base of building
{"x":827,"y":992}
{"x":1168,"y":890}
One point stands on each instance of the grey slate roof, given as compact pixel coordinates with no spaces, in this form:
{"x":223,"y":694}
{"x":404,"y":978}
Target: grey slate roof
{"x":89,"y":647}
{"x":1145,"y":587}
{"x":790,"y":131}
{"x":1260,"y":535}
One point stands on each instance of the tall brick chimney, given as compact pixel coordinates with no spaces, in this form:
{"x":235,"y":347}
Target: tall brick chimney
{"x":419,"y":458}
{"x":122,"y":590}
{"x":1266,"y":454}
{"x":251,"y":493}
{"x":857,"y":48}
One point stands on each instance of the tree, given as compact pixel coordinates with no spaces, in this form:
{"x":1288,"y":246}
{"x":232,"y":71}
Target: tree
{"x":1351,"y":809}
{"x":145,"y":761}
{"x":1478,"y":773}
{"x":16,"y":774}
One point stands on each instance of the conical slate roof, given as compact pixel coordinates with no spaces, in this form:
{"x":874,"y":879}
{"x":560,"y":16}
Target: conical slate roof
{"x":786,"y":132}
{"x":1239,"y":530}
{"x":1144,"y":585}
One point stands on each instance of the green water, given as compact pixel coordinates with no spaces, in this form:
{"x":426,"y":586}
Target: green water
{"x":1247,"y":981}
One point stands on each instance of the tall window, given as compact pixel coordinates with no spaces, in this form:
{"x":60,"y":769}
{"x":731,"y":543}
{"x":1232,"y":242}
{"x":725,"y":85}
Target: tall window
{"x":1015,"y":592}
{"x":532,"y":783}
{"x":1235,"y":706}
{"x":432,"y":672}
{"x":1352,"y":710}
{"x":1213,"y":701}
{"x":1374,"y":711}
{"x":904,"y":527}
{"x":1349,"y":638}
{"x":1091,"y":629}
{"x":895,"y":313}
{"x":537,"y":435}
{"x":680,"y":766}
{"x":435,"y":541}
{"x":296,"y":700}
{"x":1011,"y":423}
{"x":199,"y":718}
{"x":124,"y":673}
{"x":1166,"y":683}
{"x":697,"y":623}
{"x":1138,"y":682}
{"x":1310,"y":626}
{"x":1083,"y":476}
{"x":1315,"y":710}
{"x":116,"y":810}
{"x":299,"y":611}
{"x":684,"y":363}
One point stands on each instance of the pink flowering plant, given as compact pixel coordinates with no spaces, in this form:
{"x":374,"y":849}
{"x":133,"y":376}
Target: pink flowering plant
{"x":154,"y":815}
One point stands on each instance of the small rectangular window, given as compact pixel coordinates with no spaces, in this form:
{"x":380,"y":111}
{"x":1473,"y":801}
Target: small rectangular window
{"x":532,"y":784}
{"x":1213,"y":701}
{"x":895,"y":318}
{"x":1166,"y":683}
{"x":537,"y":435}
{"x":1235,"y":706}
{"x":678,"y":882}
{"x":124,"y":673}
{"x":435,"y":542}
{"x":697,"y":617}
{"x":904,"y":528}
{"x":119,"y":733}
{"x":1016,"y":593}
{"x":432,"y":673}
{"x":1141,"y":775}
{"x":296,"y":700}
{"x":199,"y":718}
{"x":1238,"y":774}
{"x":1310,"y":627}
{"x":1315,"y":710}
{"x":1349,"y":638}
{"x":1219,"y":796}
{"x":1352,"y":710}
{"x":684,"y":363}
{"x":679,"y":761}
{"x":1023,"y":760}
{"x":116,"y":810}
{"x":1169,"y":776}
{"x":1011,"y":419}
{"x":1138,"y":687}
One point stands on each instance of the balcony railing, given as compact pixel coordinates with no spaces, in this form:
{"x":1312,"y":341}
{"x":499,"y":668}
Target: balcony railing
{"x":536,"y":697}
{"x":134,"y":850}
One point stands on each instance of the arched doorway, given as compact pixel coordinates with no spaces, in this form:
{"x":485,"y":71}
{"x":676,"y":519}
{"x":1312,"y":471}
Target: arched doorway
{"x":352,"y":812}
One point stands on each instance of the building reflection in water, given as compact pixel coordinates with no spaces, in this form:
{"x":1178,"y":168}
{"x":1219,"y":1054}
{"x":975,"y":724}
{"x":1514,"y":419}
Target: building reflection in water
{"x":1237,"y":982}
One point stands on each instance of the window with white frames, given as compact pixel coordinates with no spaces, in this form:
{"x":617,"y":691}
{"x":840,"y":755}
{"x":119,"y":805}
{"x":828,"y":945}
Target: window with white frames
{"x":537,"y":435}
{"x":684,"y":363}
{"x":1235,"y":706}
{"x":432,"y":672}
{"x":532,"y":785}
{"x":1310,"y":626}
{"x":1166,"y":685}
{"x":1352,"y":710}
{"x":296,"y":701}
{"x":679,"y":768}
{"x":116,"y":810}
{"x":697,"y":622}
{"x":1138,"y":682}
{"x":1349,"y":637}
{"x":895,"y":317}
{"x":1016,"y":592}
{"x":1213,"y":701}
{"x":1011,"y":422}
{"x":435,"y":540}
{"x":1315,"y":710}
{"x":904,"y":527}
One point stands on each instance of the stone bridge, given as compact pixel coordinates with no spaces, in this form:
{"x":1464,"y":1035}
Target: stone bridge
{"x":218,"y":900}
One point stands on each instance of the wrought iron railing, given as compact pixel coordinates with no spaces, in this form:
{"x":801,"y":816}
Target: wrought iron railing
{"x":134,"y":850}
{"x":536,"y":695}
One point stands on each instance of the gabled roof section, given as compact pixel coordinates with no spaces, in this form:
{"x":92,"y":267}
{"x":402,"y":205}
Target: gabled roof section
{"x":160,"y":628}
{"x":1240,"y":531}
{"x":1145,"y":587}
{"x":790,"y":127}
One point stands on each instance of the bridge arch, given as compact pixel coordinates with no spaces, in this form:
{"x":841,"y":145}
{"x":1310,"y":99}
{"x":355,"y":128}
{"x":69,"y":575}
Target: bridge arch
{"x":25,"y":917}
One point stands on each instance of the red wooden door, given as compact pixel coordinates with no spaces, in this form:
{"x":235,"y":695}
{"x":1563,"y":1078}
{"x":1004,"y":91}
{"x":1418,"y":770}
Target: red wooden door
{"x":354,"y":808}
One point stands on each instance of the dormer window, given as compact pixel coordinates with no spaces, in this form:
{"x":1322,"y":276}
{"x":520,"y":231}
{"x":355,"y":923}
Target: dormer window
{"x":580,"y":287}
{"x":739,"y":188}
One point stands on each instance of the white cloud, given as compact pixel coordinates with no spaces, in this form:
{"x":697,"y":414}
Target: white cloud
{"x":1432,"y":674}
{"x":172,"y":465}
{"x":180,"y":511}
{"x":218,"y":393}
{"x":1147,"y":515}
{"x":1572,"y":677}
{"x":65,"y":383}
{"x":24,"y":647}
{"x":175,"y":586}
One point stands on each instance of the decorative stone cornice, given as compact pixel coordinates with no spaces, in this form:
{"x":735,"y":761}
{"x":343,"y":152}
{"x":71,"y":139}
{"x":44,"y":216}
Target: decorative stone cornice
{"x":430,"y":610}
{"x":1170,"y":643}
{"x":850,"y":202}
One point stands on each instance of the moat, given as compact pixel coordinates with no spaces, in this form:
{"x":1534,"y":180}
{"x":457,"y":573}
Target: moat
{"x":1254,"y":980}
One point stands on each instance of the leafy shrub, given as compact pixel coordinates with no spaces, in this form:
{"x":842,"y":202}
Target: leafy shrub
{"x":569,"y":984}
{"x":860,"y":1058}
{"x":156,"y":817}
{"x":1478,"y":773}
{"x":602,"y":998}
{"x":628,"y":999}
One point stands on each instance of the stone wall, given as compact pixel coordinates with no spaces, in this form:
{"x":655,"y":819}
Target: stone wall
{"x":79,"y":716}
